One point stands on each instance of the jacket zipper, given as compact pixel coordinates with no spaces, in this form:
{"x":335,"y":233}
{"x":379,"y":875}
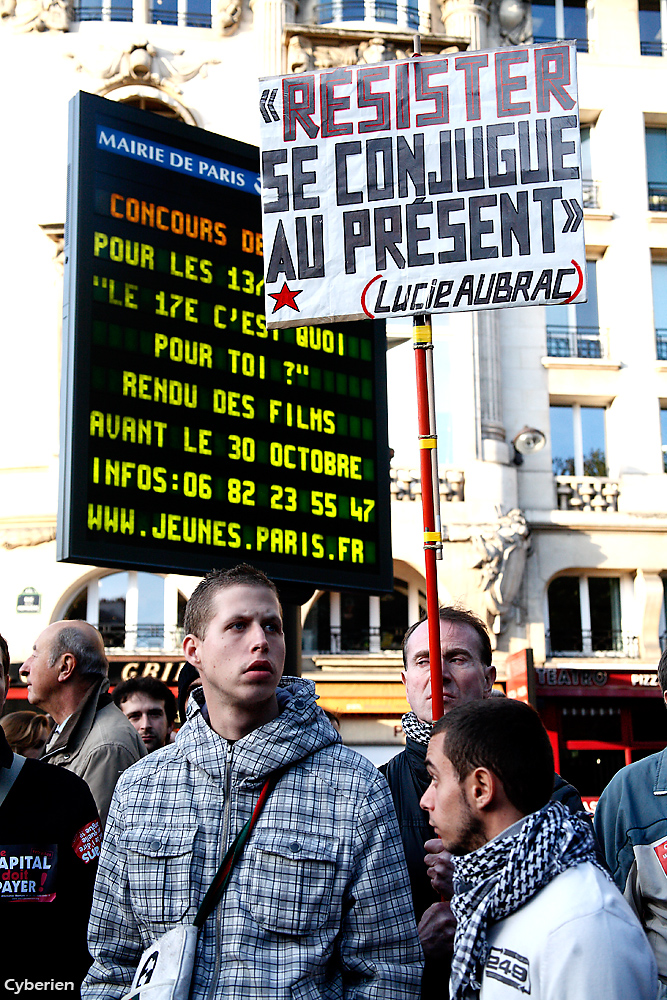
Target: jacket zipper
{"x":223,"y":850}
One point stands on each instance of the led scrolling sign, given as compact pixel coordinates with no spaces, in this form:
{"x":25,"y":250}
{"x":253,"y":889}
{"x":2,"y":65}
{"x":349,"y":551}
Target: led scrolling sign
{"x":193,"y":436}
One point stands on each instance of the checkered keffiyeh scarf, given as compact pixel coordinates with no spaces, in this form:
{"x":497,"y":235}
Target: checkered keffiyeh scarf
{"x":415,"y":729}
{"x":500,"y":877}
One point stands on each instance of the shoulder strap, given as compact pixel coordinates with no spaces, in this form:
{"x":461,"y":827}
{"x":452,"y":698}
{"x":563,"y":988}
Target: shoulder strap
{"x":8,"y":775}
{"x":219,"y":884}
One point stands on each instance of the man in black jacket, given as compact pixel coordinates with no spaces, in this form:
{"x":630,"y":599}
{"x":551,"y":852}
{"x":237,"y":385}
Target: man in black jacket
{"x":467,"y":675}
{"x":50,"y":839}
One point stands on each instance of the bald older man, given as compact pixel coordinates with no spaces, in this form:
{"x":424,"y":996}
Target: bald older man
{"x":67,"y":677}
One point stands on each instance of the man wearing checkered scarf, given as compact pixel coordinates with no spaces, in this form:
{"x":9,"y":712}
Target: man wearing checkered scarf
{"x":536,"y":914}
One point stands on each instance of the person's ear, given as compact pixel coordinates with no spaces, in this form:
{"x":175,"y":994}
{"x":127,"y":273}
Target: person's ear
{"x":481,"y":788}
{"x":489,"y":679}
{"x":67,"y":667}
{"x":191,"y":650}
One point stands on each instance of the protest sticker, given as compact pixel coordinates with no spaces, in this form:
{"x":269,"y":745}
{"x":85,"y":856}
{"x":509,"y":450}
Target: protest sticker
{"x":437,"y":184}
{"x":28,"y":872}
{"x":87,"y":841}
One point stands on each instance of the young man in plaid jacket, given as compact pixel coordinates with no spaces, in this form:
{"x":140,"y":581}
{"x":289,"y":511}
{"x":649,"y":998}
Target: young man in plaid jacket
{"x":318,"y":906}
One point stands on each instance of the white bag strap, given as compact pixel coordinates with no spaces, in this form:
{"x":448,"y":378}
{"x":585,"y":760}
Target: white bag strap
{"x":8,"y":775}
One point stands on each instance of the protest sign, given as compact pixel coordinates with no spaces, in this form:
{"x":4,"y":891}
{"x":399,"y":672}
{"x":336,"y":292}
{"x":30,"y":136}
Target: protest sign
{"x":435,"y":184}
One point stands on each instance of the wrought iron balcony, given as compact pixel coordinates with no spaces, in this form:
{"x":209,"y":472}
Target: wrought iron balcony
{"x":661,"y":344}
{"x":102,"y":12}
{"x":362,"y":640}
{"x":651,"y":48}
{"x":657,"y":196}
{"x":576,"y":342}
{"x":591,"y":642}
{"x":591,"y":194}
{"x":590,"y":494}
{"x":334,"y":11}
{"x":582,"y":43}
{"x":117,"y":635}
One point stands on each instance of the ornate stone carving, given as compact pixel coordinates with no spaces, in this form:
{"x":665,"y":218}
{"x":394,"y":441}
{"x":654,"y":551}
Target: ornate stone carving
{"x":144,"y":63}
{"x":323,"y":47}
{"x":56,"y":233}
{"x":299,"y":55}
{"x":500,"y":552}
{"x":16,"y":538}
{"x":514,"y":21}
{"x":226,"y":16}
{"x":37,"y":15}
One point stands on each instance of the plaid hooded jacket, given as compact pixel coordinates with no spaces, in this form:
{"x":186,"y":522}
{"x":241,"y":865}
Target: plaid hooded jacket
{"x":318,"y":906}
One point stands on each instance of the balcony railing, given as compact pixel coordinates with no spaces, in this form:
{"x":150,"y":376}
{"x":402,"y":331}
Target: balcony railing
{"x":128,"y":637}
{"x":591,"y":494}
{"x":594,"y":642}
{"x":591,"y":194}
{"x":582,"y":43}
{"x":657,"y":197}
{"x":192,"y":19}
{"x":333,"y":11}
{"x":362,"y":640}
{"x":99,"y":12}
{"x":661,"y":344}
{"x":652,"y":48}
{"x":576,"y":342}
{"x":406,"y":484}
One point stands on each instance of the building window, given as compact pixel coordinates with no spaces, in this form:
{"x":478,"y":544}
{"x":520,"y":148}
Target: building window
{"x":573,"y":330}
{"x":659,"y":284}
{"x":561,"y":19}
{"x":402,"y":13}
{"x":585,"y":618}
{"x":656,"y":168}
{"x":589,"y":185}
{"x":663,"y":437}
{"x":578,"y":440}
{"x":104,"y":10}
{"x":651,"y":13}
{"x":132,"y":610}
{"x":184,"y":13}
{"x":352,"y":622}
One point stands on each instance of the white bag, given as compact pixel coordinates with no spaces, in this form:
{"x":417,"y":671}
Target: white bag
{"x":165,"y":968}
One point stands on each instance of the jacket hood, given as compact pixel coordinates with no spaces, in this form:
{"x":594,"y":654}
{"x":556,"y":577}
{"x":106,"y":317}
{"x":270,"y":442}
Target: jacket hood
{"x":299,"y":731}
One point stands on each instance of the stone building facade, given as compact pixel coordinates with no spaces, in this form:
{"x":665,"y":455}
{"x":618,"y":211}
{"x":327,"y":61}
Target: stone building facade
{"x":563,"y":549}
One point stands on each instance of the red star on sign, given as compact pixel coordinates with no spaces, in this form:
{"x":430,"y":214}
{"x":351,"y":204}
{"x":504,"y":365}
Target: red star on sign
{"x":285,"y":298}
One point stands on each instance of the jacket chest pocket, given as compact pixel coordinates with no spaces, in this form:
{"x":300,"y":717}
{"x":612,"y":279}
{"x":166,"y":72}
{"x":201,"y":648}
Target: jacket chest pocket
{"x":159,"y":863}
{"x":290,"y":880}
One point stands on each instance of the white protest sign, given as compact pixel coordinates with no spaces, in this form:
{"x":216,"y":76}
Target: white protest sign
{"x":427,"y":185}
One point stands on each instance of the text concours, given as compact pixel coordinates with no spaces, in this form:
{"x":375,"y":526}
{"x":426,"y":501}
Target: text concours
{"x":428,"y":185}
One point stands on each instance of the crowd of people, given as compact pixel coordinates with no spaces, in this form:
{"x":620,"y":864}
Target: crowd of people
{"x":282,"y":862}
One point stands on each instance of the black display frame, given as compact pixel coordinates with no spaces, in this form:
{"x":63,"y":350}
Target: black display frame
{"x":83,"y":378}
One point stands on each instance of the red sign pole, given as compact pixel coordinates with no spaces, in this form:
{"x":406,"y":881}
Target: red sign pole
{"x":422,"y":342}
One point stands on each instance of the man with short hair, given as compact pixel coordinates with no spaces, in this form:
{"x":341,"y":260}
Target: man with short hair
{"x":151,"y":708}
{"x":66,"y":676}
{"x":50,"y":839}
{"x":467,"y":675}
{"x":631,"y":824}
{"x":318,"y":903}
{"x":536,"y":913}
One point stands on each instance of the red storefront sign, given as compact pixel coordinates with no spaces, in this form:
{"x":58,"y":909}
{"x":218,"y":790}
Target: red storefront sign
{"x":588,"y":682}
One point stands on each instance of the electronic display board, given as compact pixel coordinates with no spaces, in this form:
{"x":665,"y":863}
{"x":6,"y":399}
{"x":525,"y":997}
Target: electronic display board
{"x":192,"y":436}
